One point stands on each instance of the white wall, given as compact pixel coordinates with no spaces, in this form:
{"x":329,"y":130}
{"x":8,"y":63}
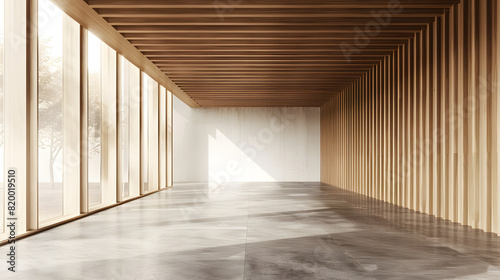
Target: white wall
{"x":246,"y":144}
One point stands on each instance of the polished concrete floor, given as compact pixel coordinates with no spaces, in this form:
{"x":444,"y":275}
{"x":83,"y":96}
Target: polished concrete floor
{"x":257,"y":231}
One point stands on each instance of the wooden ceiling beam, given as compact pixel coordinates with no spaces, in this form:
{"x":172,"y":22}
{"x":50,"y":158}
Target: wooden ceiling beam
{"x":258,"y":29}
{"x":271,"y":71}
{"x":255,"y":48}
{"x":264,"y":93}
{"x":264,"y":78}
{"x":268,"y":73}
{"x":264,"y":97}
{"x":257,"y":37}
{"x":260,"y":98}
{"x":250,"y":94}
{"x":269,"y":4}
{"x":243,"y":104}
{"x":305,"y":79}
{"x":256,"y":103}
{"x":271,"y":77}
{"x":252,"y":22}
{"x":256,"y":85}
{"x":260,"y":59}
{"x":371,"y":60}
{"x":266,"y":52}
{"x":242,"y":84}
{"x":249,"y":80}
{"x":258,"y":68}
{"x":335,"y":53}
{"x":190,"y":13}
{"x":265,"y":90}
{"x":249,"y":42}
{"x":228,"y":89}
{"x":266,"y":64}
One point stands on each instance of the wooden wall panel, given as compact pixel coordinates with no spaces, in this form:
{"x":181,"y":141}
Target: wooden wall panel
{"x":420,"y":129}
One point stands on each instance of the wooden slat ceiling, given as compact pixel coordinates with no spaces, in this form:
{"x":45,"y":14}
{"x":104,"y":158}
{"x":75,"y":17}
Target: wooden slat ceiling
{"x":264,"y":52}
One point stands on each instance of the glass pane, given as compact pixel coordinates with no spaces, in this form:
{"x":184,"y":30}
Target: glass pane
{"x":169,"y":138}
{"x":2,"y":137}
{"x":124,"y":125}
{"x":163,"y":137}
{"x":50,"y":113}
{"x":94,"y":120}
{"x":147,"y":84}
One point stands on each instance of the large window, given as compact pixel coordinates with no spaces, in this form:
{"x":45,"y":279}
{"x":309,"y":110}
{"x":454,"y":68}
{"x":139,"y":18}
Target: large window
{"x":149,"y":140}
{"x":58,"y":121}
{"x":94,"y":121}
{"x":163,"y":137}
{"x":80,"y":141}
{"x":50,"y":112}
{"x":101,"y":124}
{"x":124,"y":129}
{"x":146,"y":96}
{"x":169,"y":139}
{"x":129,"y":129}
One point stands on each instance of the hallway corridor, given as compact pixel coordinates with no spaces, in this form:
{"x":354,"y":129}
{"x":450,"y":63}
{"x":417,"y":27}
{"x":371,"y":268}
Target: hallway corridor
{"x":258,"y":231}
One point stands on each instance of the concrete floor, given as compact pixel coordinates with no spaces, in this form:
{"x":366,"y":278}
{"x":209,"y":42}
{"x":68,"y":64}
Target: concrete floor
{"x":257,"y":231}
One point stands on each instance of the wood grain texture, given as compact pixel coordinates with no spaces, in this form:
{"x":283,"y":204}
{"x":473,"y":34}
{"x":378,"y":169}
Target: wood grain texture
{"x":432,"y":112}
{"x":274,"y":53}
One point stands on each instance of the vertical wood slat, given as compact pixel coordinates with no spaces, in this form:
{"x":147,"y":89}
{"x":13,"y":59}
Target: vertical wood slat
{"x":379,"y":122}
{"x":495,"y":227}
{"x":410,"y":124}
{"x":436,"y":120}
{"x":422,"y":179}
{"x":383,"y":136}
{"x":470,"y":112}
{"x":416,"y":124}
{"x":445,"y":190}
{"x":427,"y":112}
{"x":399,"y":187}
{"x":455,"y":174}
{"x":484,"y":118}
{"x":421,"y":128}
{"x":402,"y":133}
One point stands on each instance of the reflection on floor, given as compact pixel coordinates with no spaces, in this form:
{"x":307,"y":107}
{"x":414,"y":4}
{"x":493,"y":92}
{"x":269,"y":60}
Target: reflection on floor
{"x":258,"y":231}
